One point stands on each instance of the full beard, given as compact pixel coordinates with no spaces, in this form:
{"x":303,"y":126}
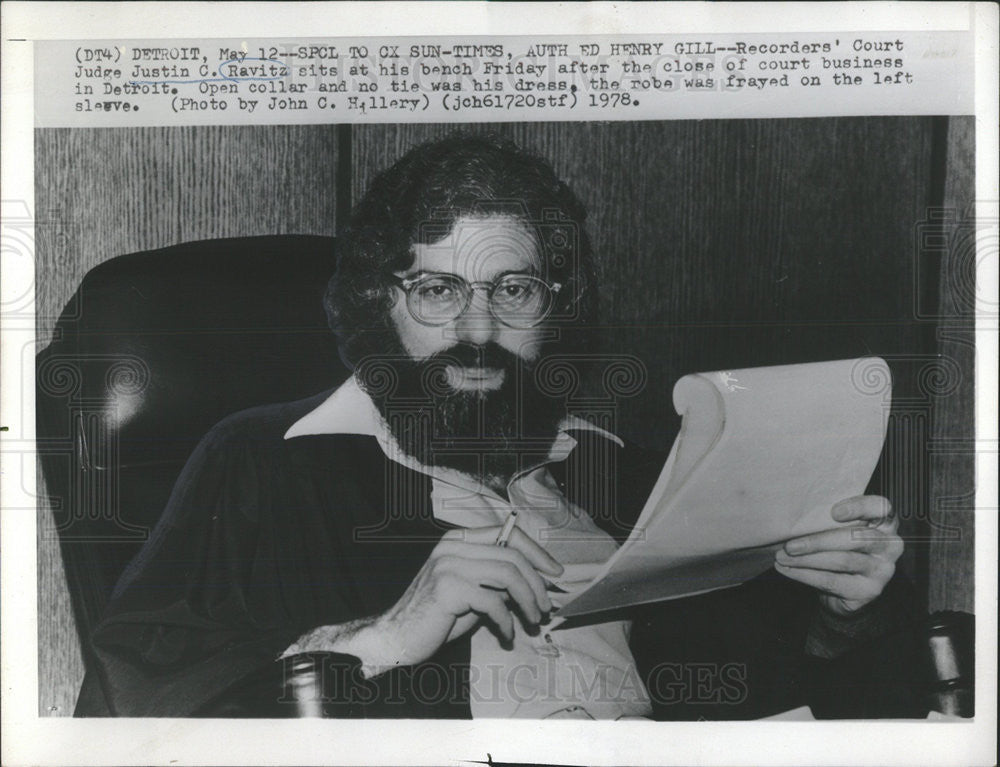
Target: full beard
{"x":490,"y":434}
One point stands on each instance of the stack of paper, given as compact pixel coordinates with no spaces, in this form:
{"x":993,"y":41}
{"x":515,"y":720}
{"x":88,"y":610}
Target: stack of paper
{"x":762,"y":457}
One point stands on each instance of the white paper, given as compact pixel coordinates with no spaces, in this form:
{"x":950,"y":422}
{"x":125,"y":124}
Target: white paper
{"x":762,"y":457}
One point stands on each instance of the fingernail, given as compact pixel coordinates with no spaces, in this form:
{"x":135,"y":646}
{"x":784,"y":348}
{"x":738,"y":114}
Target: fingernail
{"x":795,"y":547}
{"x":840,"y":513}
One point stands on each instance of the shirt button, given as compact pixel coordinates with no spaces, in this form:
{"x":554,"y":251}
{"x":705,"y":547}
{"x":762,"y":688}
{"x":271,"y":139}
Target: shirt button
{"x":547,"y":648}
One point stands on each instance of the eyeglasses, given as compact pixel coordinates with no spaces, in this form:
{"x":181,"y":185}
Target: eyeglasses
{"x":516,"y":300}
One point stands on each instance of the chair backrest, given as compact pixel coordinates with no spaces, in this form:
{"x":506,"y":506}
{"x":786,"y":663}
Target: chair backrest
{"x":151,"y":351}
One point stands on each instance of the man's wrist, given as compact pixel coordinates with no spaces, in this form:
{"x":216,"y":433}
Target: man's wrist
{"x":375,"y":644}
{"x":367,"y":639}
{"x":831,"y":633}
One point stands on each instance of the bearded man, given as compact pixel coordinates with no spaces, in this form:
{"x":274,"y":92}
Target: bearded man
{"x":361,"y":526}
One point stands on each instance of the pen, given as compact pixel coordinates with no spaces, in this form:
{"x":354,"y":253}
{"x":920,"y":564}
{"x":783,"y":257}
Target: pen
{"x":507,"y":530}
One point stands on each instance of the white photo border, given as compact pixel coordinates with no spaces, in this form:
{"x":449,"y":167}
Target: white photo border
{"x":30,"y":739}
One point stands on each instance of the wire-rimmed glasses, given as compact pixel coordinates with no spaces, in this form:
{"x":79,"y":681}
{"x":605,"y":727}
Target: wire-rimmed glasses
{"x":517,"y":300}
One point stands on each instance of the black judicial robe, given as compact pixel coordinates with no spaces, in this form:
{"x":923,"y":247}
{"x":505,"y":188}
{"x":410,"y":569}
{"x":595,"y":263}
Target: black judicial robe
{"x":264,"y":539}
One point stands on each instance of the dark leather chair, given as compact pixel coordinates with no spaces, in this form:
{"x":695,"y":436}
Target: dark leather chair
{"x":152,"y":350}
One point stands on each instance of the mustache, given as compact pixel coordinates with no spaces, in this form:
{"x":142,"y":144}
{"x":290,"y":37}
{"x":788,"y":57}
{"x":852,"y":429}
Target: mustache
{"x":410,"y":378}
{"x":489,"y":355}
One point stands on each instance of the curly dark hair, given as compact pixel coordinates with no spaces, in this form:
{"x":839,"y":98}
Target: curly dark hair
{"x":419,"y":199}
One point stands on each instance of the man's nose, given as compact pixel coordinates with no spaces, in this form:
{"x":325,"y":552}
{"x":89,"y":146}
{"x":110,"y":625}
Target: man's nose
{"x":477,"y":325}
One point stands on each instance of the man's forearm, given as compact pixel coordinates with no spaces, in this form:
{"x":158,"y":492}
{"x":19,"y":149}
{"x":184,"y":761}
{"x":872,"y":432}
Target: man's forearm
{"x":362,"y":638}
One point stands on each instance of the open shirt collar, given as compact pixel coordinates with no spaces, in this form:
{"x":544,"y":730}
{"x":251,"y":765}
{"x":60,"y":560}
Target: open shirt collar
{"x":349,"y":410}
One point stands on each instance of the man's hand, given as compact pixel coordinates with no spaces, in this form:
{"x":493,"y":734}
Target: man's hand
{"x":467,"y":578}
{"x":849,"y":565}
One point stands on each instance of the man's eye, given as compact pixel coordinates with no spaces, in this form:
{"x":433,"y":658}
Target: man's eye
{"x":516,"y":292}
{"x":513,"y":290}
{"x":436,"y":291}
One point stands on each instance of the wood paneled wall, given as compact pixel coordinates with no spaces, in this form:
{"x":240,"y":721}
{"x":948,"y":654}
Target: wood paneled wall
{"x":719,"y":244}
{"x":951,"y":568}
{"x":101,"y":193}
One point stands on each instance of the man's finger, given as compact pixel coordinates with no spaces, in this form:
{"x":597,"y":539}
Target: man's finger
{"x":834,"y":561}
{"x":505,"y":576}
{"x":530,"y":574}
{"x":539,"y":558}
{"x":534,"y":553}
{"x":511,"y":556}
{"x":855,"y":587}
{"x":873,"y":509}
{"x":491,"y":605}
{"x":499,"y":574}
{"x":854,"y":538}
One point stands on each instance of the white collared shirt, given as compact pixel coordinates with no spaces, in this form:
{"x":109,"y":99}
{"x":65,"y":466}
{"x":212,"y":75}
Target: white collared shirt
{"x":586,"y":672}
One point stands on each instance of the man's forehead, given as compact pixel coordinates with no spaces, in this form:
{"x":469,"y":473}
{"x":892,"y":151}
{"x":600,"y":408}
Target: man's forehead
{"x":481,"y":246}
